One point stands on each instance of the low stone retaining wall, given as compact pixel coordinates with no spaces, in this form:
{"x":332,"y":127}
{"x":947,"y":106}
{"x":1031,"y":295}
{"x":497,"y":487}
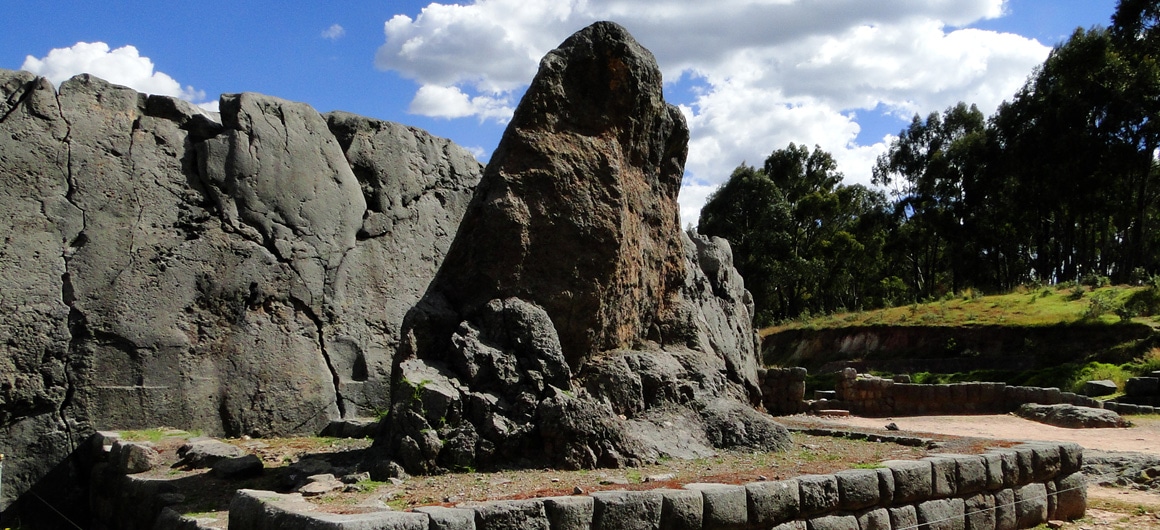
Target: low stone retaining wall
{"x":874,"y":396}
{"x":1020,"y":487}
{"x":783,"y":390}
{"x":1141,"y":396}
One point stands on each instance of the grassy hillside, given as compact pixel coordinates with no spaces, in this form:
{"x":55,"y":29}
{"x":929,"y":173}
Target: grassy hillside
{"x":1085,"y":322}
{"x":1048,"y":306}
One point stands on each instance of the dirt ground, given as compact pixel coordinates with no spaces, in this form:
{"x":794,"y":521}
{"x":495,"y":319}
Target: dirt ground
{"x":1108,"y":508}
{"x":1143,"y":437}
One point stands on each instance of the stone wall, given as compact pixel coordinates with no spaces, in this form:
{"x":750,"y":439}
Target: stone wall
{"x":873,"y":396}
{"x":1018,"y":487}
{"x":783,"y":390}
{"x":1141,"y":396}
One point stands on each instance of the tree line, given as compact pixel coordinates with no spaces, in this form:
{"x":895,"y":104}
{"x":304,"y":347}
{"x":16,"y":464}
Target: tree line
{"x":1060,"y":184}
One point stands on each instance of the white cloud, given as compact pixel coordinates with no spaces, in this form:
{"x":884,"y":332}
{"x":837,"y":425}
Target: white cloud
{"x":479,"y":153}
{"x":449,"y":102}
{"x":334,"y":32}
{"x":122,"y":66}
{"x":768,"y":72}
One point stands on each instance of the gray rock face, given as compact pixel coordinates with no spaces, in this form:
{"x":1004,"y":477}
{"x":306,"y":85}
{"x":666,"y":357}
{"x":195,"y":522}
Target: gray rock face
{"x":572,"y":320}
{"x":241,"y":273}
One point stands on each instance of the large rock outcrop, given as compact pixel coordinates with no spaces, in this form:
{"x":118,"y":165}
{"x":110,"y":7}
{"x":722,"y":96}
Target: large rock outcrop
{"x":241,"y":273}
{"x":572,"y":323}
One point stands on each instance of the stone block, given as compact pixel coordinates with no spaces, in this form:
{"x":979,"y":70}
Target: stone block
{"x":725,"y":505}
{"x":857,"y":489}
{"x":912,"y":480}
{"x":873,"y":518}
{"x":885,"y":486}
{"x":1045,"y":460}
{"x":1142,"y":386}
{"x":942,"y":514}
{"x":681,"y":509}
{"x":1070,"y":458}
{"x":1103,"y":387}
{"x":1030,"y":505}
{"x":626,"y":510}
{"x":1070,"y":497}
{"x":903,"y":516}
{"x":993,"y":463}
{"x":972,"y":472}
{"x":569,"y":513}
{"x":441,"y":518}
{"x":944,"y":476}
{"x":205,"y":452}
{"x":1005,"y":515}
{"x":832,"y":522}
{"x":1010,"y":465}
{"x":511,"y":515}
{"x":980,"y":511}
{"x":262,"y":510}
{"x":818,"y":493}
{"x":773,"y":502}
{"x":792,"y":525}
{"x":1025,"y":463}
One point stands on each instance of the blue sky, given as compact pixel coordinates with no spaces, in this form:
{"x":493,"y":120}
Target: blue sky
{"x":751,"y":75}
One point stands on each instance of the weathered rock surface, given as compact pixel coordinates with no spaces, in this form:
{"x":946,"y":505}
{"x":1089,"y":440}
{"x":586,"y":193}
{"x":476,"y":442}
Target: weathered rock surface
{"x":1102,"y":387}
{"x":1071,"y":416}
{"x":572,"y":321}
{"x":237,"y":273}
{"x":1137,"y":471}
{"x":205,"y":452}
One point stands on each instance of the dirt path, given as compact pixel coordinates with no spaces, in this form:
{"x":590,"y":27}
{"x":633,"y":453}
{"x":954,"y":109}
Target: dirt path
{"x":1144,"y":437}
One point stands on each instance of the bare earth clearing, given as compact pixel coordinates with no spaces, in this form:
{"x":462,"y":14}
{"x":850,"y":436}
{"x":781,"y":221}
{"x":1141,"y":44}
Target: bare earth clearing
{"x":1111,"y":508}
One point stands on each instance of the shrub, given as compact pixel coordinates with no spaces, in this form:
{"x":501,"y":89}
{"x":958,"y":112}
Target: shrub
{"x":1145,"y":302}
{"x":1095,"y":371}
{"x":1100,"y":304}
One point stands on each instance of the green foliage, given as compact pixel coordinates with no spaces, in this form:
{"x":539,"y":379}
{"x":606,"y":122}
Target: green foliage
{"x":1060,"y":185}
{"x":804,"y":243}
{"x":1100,"y":304}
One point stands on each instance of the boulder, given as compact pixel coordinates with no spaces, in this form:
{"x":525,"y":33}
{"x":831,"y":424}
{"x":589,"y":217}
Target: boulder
{"x":572,"y":317}
{"x":242,"y":272}
{"x":1102,"y":387}
{"x":205,"y":452}
{"x":577,"y":210}
{"x":1071,"y":416}
{"x":238,"y":467}
{"x":134,"y":457}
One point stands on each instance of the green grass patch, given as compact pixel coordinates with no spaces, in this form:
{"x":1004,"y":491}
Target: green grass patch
{"x":1023,"y":307}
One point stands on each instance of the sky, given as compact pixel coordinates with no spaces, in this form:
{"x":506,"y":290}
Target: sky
{"x":751,"y":76}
